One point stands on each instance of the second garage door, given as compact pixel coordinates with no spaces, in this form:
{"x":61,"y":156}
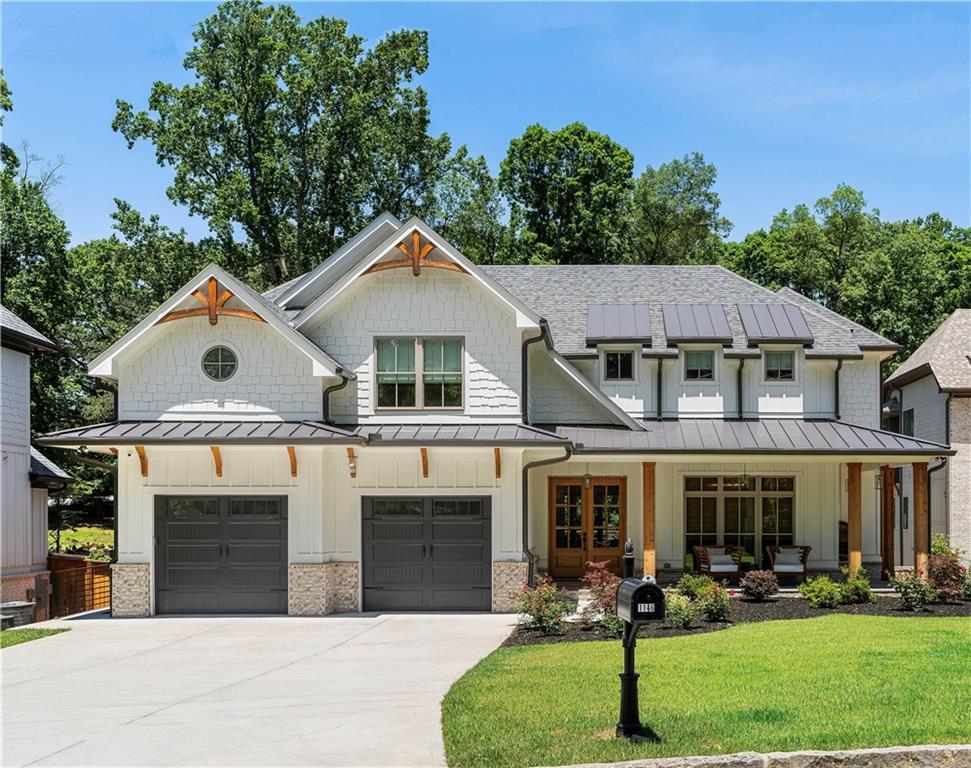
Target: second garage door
{"x":427,"y":553}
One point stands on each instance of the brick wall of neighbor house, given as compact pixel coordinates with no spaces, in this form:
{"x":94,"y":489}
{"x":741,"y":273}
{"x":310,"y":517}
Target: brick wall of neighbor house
{"x":398,"y":304}
{"x":959,"y":477}
{"x":165,"y":380}
{"x":860,"y":392}
{"x":131,"y":590}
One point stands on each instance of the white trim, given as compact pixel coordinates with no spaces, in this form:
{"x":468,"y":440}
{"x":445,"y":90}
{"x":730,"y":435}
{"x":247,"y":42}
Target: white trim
{"x":323,"y":364}
{"x":525,"y":317}
{"x":633,"y":351}
{"x":563,"y":364}
{"x":716,"y":360}
{"x":796,"y":379}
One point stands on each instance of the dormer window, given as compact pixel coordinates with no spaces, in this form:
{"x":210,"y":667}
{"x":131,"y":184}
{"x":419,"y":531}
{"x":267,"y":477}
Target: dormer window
{"x":780,"y":366}
{"x":699,"y":365}
{"x":419,"y":373}
{"x":619,"y":366}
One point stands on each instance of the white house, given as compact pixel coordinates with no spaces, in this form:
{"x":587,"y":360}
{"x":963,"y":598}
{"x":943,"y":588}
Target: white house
{"x":27,"y":474}
{"x":402,"y":429}
{"x":930,"y":396}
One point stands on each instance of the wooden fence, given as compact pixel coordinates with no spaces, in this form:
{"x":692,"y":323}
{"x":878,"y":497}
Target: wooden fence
{"x":78,"y":584}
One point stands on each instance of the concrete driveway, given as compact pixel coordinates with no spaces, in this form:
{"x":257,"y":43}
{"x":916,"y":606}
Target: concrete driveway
{"x":336,"y":691}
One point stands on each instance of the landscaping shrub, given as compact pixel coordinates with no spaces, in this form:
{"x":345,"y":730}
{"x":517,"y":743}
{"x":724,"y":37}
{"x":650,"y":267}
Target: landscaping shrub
{"x":915,"y":593}
{"x":941,"y":545}
{"x":694,"y":585}
{"x":602,"y":607}
{"x":967,"y":584}
{"x":543,"y":606}
{"x":856,"y":588}
{"x":715,"y":603}
{"x":759,"y":585}
{"x":946,"y":576}
{"x":821,"y":592}
{"x":679,"y":611}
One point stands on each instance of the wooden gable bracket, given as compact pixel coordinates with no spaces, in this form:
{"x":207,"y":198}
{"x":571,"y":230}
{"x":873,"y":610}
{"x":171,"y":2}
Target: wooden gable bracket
{"x":142,"y":459}
{"x":113,"y":452}
{"x":213,"y":307}
{"x":292,"y":453}
{"x":218,"y":459}
{"x":352,"y":462}
{"x":416,"y":257}
{"x":424,"y":462}
{"x":498,"y":459}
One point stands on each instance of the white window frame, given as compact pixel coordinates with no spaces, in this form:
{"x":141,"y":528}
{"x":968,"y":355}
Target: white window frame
{"x":766,"y":381}
{"x":634,"y":359}
{"x":715,"y":365}
{"x":419,"y":340}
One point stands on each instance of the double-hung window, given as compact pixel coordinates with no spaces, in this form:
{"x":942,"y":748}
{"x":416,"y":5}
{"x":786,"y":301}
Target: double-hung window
{"x":780,"y":366}
{"x":699,"y":365}
{"x":419,"y":373}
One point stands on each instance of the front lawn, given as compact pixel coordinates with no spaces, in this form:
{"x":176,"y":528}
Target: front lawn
{"x":833,"y":682}
{"x":16,"y":636}
{"x":85,"y":538}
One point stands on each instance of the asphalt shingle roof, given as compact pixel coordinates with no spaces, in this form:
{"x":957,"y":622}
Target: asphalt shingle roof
{"x":42,"y":467}
{"x":946,"y":353}
{"x":10,"y":322}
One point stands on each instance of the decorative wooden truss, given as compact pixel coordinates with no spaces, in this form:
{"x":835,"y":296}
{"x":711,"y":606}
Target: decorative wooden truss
{"x":213,"y":305}
{"x":416,"y":257}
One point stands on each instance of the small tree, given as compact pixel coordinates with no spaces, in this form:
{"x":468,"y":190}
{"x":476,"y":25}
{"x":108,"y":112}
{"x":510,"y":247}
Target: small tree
{"x":602,"y":607}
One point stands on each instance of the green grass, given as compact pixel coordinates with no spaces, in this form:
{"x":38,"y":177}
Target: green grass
{"x":86,"y":538}
{"x":834,"y":682}
{"x":16,"y":636}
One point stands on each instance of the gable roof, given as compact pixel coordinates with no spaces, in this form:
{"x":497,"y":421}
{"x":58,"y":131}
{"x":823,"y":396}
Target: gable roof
{"x":526,"y":317}
{"x":946,"y":354}
{"x":323,"y":364}
{"x":20,"y":335}
{"x":562,"y":293}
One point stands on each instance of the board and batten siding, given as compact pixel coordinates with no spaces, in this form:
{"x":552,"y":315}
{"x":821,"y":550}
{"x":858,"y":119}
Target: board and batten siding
{"x":394,"y":303}
{"x":163,"y":379}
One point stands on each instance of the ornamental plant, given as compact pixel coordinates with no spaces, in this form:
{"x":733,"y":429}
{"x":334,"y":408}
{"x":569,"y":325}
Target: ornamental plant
{"x":715,"y":603}
{"x":602,"y":608}
{"x":967,"y":584}
{"x":915,"y":593}
{"x":694,"y":585}
{"x":679,"y":611}
{"x":946,"y":576}
{"x":856,"y":588}
{"x":543,"y":606}
{"x":821,"y":592}
{"x":759,"y":585}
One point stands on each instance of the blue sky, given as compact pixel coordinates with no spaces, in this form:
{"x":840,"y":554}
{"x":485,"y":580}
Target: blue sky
{"x":786,"y":99}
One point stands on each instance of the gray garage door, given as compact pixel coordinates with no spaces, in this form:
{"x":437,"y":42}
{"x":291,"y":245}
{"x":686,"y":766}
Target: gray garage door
{"x":221,"y":554}
{"x":427,"y":553}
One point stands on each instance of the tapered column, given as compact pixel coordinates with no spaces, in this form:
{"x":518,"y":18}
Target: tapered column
{"x":888,"y":561}
{"x":922,"y":533}
{"x":650,"y":551}
{"x":854,"y":514}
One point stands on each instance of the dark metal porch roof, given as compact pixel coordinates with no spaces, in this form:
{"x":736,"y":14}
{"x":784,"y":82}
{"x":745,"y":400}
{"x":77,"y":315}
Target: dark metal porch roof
{"x":458,"y":434}
{"x":200,"y":432}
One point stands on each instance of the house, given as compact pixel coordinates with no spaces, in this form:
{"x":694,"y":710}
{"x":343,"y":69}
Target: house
{"x":27,"y":474}
{"x":929,"y":396}
{"x":400,"y":429}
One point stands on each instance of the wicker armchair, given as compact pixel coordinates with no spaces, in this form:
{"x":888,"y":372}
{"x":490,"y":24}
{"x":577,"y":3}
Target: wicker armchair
{"x":703,"y":563}
{"x":788,"y":567}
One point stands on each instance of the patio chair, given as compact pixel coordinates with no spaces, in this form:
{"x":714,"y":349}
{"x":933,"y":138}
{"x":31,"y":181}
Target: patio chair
{"x":788,"y":561}
{"x":718,"y":561}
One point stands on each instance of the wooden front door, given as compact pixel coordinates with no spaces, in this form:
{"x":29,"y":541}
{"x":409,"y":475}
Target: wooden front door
{"x":586,"y":524}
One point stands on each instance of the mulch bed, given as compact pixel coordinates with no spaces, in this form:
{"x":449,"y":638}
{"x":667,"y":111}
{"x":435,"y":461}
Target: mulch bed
{"x":742,"y":611}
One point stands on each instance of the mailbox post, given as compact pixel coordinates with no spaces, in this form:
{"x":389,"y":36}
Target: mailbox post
{"x":638,"y":602}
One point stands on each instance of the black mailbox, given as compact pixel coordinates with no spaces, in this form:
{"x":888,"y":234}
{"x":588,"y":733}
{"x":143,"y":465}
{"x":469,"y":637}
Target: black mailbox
{"x":639,"y":601}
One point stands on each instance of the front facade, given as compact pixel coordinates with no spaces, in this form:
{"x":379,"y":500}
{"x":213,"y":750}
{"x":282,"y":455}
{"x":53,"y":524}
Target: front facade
{"x":929,"y":396}
{"x":27,"y":474}
{"x":400,"y":429}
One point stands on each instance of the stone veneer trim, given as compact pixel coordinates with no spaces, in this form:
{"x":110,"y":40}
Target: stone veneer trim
{"x":319,"y":589}
{"x":131,"y":590}
{"x":507,"y":579}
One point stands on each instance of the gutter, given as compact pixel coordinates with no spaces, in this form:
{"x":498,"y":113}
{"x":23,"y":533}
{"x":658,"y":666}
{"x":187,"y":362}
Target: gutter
{"x":738,"y":386}
{"x":836,"y":386}
{"x":544,"y":335}
{"x":325,"y":398}
{"x":659,"y":387}
{"x":527,"y":553}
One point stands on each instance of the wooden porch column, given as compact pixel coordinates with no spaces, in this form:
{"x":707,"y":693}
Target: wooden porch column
{"x":886,"y":521}
{"x":650,"y":551}
{"x":922,"y":542}
{"x":854,"y":514}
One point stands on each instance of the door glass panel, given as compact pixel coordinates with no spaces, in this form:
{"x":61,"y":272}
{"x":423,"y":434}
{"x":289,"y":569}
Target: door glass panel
{"x":189,"y":507}
{"x":397,"y":507}
{"x":568,"y":515}
{"x":709,"y":483}
{"x":606,"y":515}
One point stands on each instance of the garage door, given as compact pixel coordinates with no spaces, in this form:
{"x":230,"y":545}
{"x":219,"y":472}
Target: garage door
{"x":221,"y":554}
{"x":428,"y":553}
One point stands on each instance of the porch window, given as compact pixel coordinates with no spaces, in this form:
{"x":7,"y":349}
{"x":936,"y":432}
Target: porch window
{"x":419,"y":373}
{"x":907,"y":422}
{"x":780,"y":366}
{"x":699,"y":365}
{"x":618,"y":366}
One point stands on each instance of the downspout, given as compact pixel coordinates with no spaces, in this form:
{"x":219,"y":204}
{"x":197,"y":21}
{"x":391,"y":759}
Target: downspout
{"x":738,"y":386}
{"x":325,"y":401}
{"x":544,"y":333}
{"x":659,"y":388}
{"x":527,"y":553}
{"x":836,"y":386}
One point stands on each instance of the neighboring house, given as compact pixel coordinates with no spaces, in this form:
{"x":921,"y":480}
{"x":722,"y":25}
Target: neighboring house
{"x":27,"y":474}
{"x":402,"y":429}
{"x":929,"y":396}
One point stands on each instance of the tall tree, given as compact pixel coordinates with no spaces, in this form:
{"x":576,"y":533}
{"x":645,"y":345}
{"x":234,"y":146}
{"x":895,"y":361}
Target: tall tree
{"x":570,"y":189}
{"x":675,"y":218}
{"x":295,"y":133}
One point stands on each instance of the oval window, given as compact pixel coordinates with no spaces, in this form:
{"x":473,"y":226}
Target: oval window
{"x":219,"y":363}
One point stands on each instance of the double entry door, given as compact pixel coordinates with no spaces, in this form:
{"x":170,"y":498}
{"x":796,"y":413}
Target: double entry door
{"x":587,"y":523}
